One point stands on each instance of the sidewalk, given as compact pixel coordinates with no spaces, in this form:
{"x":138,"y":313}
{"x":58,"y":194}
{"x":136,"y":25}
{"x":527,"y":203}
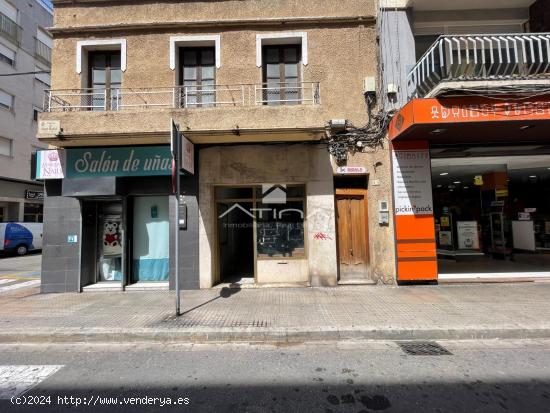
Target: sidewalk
{"x":281,"y":314}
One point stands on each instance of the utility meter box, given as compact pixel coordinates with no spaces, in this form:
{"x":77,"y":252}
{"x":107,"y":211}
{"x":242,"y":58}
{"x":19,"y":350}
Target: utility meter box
{"x":383,"y":213}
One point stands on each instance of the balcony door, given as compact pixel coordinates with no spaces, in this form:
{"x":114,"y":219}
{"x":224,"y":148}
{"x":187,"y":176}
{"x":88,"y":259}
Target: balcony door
{"x":281,"y":75}
{"x":198,"y":74}
{"x":105,"y":79}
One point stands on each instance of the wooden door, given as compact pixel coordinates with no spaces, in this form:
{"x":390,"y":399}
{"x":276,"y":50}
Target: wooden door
{"x":353,"y":255}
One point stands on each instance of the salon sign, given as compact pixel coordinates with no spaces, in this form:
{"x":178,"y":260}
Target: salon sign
{"x":96,"y":162}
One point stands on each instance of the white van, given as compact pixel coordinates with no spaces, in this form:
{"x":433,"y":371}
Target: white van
{"x":20,"y":237}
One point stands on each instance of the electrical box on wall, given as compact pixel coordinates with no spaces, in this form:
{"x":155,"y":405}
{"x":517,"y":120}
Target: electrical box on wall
{"x":182,"y":219}
{"x":383,"y":213}
{"x":392,"y":89}
{"x":369,"y":85}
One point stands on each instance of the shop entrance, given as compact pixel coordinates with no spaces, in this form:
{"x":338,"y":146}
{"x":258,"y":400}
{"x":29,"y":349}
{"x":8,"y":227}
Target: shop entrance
{"x":260,"y":234}
{"x":236,"y":242}
{"x":103,"y":241}
{"x":492,"y":211}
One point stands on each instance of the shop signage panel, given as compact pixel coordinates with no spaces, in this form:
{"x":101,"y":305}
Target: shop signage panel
{"x":187,"y":155}
{"x":103,"y":162}
{"x":49,"y":127}
{"x":351,"y":170}
{"x":50,"y":164}
{"x":119,"y":161}
{"x":412,"y":182}
{"x":466,"y":110}
{"x":29,"y":194}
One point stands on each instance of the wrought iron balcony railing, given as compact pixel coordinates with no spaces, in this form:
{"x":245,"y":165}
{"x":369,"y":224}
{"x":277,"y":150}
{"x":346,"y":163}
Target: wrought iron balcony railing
{"x":10,"y":29}
{"x":42,"y":51}
{"x":205,"y":96}
{"x":479,"y":57}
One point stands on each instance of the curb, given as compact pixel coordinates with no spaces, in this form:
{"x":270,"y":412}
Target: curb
{"x":271,"y":336}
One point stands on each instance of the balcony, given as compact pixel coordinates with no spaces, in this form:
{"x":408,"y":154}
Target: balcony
{"x":209,"y":114}
{"x":10,"y":29}
{"x":42,"y":51}
{"x":182,"y":97}
{"x":476,"y":61}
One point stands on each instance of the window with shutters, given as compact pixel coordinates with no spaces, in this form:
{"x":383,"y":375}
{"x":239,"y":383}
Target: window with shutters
{"x":5,"y":147}
{"x":198,"y":74}
{"x":6,"y":101}
{"x":7,"y":55}
{"x":105,"y":77}
{"x":281,"y":74}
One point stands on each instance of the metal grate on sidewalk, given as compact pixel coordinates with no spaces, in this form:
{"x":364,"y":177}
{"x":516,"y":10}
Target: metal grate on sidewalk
{"x":424,"y":348}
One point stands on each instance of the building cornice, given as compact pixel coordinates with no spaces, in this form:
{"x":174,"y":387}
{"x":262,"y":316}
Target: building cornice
{"x":202,"y":24}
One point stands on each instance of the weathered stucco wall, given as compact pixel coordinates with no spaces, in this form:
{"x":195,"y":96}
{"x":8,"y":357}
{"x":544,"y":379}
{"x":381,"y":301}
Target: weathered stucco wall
{"x":340,"y":57}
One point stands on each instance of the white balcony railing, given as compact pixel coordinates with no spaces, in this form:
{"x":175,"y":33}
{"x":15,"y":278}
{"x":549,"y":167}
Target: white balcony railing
{"x":205,"y":96}
{"x":481,"y":57}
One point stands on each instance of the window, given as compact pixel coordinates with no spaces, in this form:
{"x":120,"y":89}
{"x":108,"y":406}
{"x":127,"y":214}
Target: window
{"x":280,"y":222}
{"x":8,"y":22}
{"x":33,"y":212}
{"x":43,"y":46}
{"x":8,"y":10}
{"x":35,"y":112}
{"x":85,"y":47}
{"x":6,"y":100}
{"x":7,"y":55}
{"x":105,"y":77}
{"x":42,"y":76}
{"x":281,"y":75}
{"x":5,"y":147}
{"x":198,"y":73}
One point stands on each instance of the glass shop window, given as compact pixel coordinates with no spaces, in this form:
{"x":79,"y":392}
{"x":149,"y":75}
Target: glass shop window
{"x":280,"y":221}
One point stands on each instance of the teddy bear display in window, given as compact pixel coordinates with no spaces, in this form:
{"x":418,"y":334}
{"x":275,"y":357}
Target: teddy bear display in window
{"x":111,"y":238}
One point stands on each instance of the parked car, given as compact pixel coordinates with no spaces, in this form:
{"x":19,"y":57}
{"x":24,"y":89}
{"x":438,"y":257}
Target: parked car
{"x":20,"y":237}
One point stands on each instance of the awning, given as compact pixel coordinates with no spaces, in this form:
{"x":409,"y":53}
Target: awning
{"x":472,"y":119}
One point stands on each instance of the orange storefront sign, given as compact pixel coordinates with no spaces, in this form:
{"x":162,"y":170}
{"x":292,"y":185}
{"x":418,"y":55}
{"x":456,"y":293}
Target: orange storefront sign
{"x":413,"y":208}
{"x":467,"y":110}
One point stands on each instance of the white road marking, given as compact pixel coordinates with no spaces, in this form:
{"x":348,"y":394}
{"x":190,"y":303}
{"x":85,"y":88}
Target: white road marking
{"x":16,"y":380}
{"x":19,"y":285}
{"x":6,"y":280}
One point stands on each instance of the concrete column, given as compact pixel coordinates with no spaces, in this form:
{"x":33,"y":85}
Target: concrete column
{"x":21,"y":211}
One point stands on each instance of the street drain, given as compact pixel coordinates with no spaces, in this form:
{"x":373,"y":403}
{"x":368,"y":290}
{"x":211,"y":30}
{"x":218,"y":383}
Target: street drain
{"x":424,"y":348}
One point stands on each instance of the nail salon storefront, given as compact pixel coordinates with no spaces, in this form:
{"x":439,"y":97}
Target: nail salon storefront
{"x":107,"y":219}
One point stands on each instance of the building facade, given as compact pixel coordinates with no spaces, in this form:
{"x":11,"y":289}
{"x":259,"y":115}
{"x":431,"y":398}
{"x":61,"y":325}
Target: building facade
{"x":468,"y":84}
{"x":25,"y":47}
{"x":265,"y":91}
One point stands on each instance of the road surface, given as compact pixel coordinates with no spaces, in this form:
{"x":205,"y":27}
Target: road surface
{"x":478,"y":376}
{"x":17,"y":273}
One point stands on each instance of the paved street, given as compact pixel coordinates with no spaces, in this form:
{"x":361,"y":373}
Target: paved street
{"x":479,"y":376}
{"x":17,"y":273}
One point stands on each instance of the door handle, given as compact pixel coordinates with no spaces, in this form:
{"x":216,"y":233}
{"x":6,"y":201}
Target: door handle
{"x":351,"y":252}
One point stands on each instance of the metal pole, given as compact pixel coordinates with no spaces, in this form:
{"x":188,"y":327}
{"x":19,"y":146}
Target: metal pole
{"x":177,"y":243}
